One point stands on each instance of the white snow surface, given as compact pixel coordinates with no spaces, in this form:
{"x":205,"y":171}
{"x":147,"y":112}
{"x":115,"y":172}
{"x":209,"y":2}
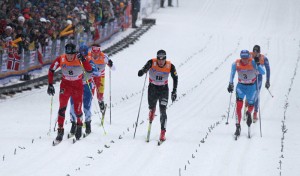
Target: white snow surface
{"x":202,"y":39}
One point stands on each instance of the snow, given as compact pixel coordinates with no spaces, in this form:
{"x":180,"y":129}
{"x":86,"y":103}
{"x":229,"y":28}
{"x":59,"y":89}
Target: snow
{"x":202,"y":39}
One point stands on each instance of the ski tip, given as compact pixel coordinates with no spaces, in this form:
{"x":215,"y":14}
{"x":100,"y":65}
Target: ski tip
{"x":160,"y":142}
{"x":70,"y":135}
{"x":54,"y":143}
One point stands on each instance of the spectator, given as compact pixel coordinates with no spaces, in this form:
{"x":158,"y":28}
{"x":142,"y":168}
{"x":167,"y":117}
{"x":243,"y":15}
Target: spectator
{"x":136,"y":4}
{"x":162,"y":3}
{"x":170,"y":3}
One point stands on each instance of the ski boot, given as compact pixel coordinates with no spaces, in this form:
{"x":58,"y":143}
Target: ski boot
{"x":101,"y":105}
{"x":60,"y":134}
{"x":249,"y":119}
{"x":238,"y":129}
{"x":73,"y":128}
{"x":88,"y":127}
{"x":254,"y":116}
{"x":78,"y":131}
{"x":162,"y":135}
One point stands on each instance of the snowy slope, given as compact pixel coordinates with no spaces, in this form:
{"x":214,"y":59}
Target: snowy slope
{"x":202,"y":39}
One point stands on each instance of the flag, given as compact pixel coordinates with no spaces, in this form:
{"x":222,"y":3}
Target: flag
{"x":40,"y":55}
{"x":13,"y":62}
{"x":97,"y":34}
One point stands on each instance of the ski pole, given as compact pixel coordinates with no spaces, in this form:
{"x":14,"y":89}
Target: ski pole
{"x":110,"y":95}
{"x":270,"y":93}
{"x":55,"y":124}
{"x":260,"y":121}
{"x":228,"y":109}
{"x":136,"y":124}
{"x":234,"y":110}
{"x":50,"y":114}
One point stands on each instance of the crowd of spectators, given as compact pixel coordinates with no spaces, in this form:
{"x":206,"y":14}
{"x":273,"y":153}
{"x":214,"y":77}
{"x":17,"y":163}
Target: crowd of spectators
{"x":37,"y":21}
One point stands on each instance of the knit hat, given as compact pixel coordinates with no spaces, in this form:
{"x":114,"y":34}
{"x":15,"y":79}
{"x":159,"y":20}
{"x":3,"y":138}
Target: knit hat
{"x":256,"y":48}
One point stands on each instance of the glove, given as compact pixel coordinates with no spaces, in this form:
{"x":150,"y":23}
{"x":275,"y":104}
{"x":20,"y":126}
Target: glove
{"x":141,"y":72}
{"x":81,"y":57}
{"x":51,"y":90}
{"x":110,"y":63}
{"x":230,"y":87}
{"x":256,"y":60}
{"x":267,"y":85}
{"x":173,"y":95}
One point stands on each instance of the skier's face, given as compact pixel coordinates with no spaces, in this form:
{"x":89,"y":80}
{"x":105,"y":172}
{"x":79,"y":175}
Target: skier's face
{"x":161,"y":62}
{"x":245,"y":60}
{"x":256,"y":54}
{"x":95,"y":55}
{"x":70,"y":57}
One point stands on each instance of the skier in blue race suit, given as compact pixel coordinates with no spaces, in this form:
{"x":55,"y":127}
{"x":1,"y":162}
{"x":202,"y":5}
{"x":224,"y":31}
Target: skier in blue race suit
{"x":247,"y":70}
{"x":263,"y":60}
{"x":88,"y":92}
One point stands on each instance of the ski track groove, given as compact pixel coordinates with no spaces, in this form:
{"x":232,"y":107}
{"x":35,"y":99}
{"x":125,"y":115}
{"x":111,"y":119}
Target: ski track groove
{"x":286,"y":105}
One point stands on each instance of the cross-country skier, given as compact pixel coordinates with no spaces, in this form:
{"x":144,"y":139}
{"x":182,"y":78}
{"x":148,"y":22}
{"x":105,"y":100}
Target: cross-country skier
{"x":88,"y":92}
{"x":263,"y":60}
{"x":159,"y":71}
{"x":71,"y":85}
{"x":101,"y":60}
{"x":247,"y":70}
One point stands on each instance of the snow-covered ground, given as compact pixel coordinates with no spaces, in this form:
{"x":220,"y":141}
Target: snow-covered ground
{"x":202,"y":39}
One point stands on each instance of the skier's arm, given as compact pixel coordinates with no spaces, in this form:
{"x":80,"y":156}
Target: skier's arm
{"x":267,"y":66}
{"x":109,"y":62}
{"x":86,"y":65}
{"x":95,"y":71}
{"x":55,"y":65}
{"x":258,"y":67}
{"x":174,"y":76}
{"x":147,"y":66}
{"x":232,"y":74}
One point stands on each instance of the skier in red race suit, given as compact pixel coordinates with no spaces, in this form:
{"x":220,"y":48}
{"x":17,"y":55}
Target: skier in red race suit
{"x":71,"y":85}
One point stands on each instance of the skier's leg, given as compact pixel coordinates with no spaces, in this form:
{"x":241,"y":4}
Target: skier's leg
{"x":72,"y":111}
{"x":77,"y":95}
{"x":257,"y":96}
{"x":163,"y":102}
{"x":250,"y":95}
{"x":64,"y":95}
{"x":240,"y":94}
{"x":152,"y":100}
{"x":87,"y":103}
{"x":72,"y":117}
